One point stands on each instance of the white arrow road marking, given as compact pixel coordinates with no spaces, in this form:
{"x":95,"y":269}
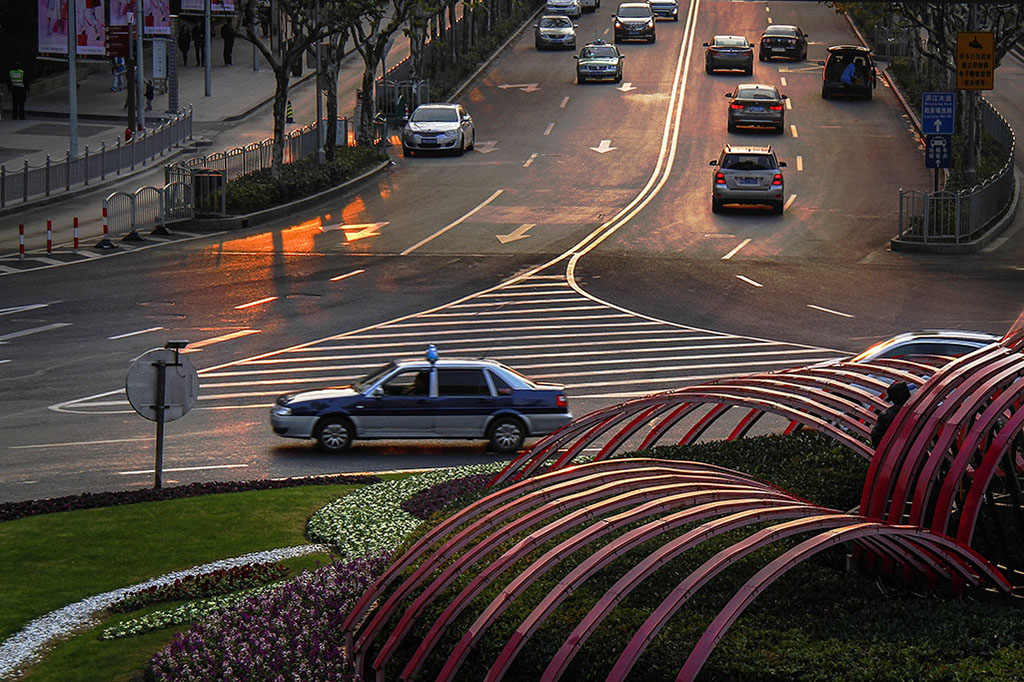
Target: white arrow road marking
{"x":605,"y":146}
{"x":516,"y":234}
{"x":485,"y":147}
{"x":525,"y":87}
{"x":626,"y":87}
{"x":356,"y":230}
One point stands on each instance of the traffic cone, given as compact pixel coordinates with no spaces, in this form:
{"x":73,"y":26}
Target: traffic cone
{"x":289,"y":116}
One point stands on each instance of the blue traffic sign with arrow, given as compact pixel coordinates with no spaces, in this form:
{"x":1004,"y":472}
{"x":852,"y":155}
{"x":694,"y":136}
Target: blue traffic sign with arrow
{"x":938,"y":152}
{"x":938,"y":110}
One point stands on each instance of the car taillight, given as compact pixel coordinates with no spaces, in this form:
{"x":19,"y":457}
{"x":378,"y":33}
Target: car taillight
{"x":719,"y":178}
{"x":777,"y":180}
{"x":735,"y":106}
{"x":560,"y":401}
{"x":775,"y":107}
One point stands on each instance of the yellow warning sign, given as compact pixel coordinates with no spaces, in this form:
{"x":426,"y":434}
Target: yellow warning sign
{"x":975,"y":60}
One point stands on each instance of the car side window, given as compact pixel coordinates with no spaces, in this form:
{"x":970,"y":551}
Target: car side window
{"x":461,"y":382}
{"x":413,"y":382}
{"x":500,"y":385}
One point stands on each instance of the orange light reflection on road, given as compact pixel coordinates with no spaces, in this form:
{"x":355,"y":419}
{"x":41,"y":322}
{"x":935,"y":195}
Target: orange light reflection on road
{"x":353,"y":212}
{"x":300,"y":238}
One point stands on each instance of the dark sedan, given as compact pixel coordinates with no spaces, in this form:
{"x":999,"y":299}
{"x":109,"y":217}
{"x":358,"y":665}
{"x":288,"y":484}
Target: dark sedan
{"x":733,"y":53}
{"x":782,"y":40}
{"x":756,"y":105}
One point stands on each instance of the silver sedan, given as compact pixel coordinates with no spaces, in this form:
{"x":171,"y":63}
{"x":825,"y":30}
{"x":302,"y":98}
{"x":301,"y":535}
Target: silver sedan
{"x":438,"y":127}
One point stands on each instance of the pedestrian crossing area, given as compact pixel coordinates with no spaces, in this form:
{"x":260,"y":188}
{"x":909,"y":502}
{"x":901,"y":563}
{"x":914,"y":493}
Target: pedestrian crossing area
{"x":539,"y":325}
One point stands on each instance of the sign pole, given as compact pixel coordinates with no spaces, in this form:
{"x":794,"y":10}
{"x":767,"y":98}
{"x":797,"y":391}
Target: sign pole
{"x":73,"y":79}
{"x":161,"y":397}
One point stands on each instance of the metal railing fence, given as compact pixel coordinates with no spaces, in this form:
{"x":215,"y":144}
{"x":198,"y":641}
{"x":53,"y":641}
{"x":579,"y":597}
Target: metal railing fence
{"x":892,"y":41}
{"x":30,"y":182}
{"x":147,"y":207}
{"x":958,"y":217}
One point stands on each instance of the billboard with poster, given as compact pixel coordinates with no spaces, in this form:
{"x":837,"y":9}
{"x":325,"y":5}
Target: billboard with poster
{"x":158,"y":15}
{"x":90,"y":17}
{"x":215,"y":5}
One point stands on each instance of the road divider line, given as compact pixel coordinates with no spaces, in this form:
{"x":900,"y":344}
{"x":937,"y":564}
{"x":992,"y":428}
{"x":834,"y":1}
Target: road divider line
{"x":347,"y":275}
{"x":202,"y":468}
{"x":789,"y":202}
{"x":547,"y":131}
{"x":529,"y":161}
{"x":829,"y":311}
{"x":792,"y":129}
{"x":252,"y":304}
{"x":782,"y":79}
{"x":4,"y":362}
{"x":789,"y":104}
{"x":799,"y":163}
{"x":112,"y":441}
{"x":458,"y":222}
{"x":750,"y":281}
{"x":736,"y":249}
{"x":219,"y":339}
{"x":135,"y":333}
{"x":565,"y":100}
{"x":24,"y":308}
{"x":34,"y":330}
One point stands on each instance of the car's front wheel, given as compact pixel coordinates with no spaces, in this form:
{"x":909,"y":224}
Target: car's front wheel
{"x":506,"y":435}
{"x":334,"y":434}
{"x":460,"y":148}
{"x":761,"y":57}
{"x":406,"y":151}
{"x":708,"y":68}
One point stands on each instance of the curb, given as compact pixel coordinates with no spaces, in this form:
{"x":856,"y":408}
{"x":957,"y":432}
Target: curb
{"x":241,"y":222}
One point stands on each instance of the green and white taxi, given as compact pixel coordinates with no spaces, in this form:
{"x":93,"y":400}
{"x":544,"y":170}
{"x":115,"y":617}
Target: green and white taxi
{"x":599,"y":61}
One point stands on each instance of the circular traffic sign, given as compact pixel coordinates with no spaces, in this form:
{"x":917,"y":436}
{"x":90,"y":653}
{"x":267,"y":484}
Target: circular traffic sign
{"x":181,"y":384}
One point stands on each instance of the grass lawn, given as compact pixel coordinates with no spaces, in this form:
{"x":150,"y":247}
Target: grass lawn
{"x":52,"y":560}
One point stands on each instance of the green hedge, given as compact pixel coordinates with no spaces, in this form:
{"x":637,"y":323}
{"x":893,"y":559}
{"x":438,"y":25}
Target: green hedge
{"x":259,"y":190}
{"x":818,"y":622}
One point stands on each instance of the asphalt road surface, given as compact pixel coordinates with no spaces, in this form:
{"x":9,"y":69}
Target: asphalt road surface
{"x":576,"y":243}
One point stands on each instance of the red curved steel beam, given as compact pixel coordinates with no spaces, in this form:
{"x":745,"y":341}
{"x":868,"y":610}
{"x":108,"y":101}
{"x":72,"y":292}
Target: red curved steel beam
{"x":745,"y":424}
{"x":776,"y":568}
{"x":666,"y":423}
{"x":702,"y":425}
{"x":631,"y":428}
{"x":687,"y":496}
{"x":625,"y":542}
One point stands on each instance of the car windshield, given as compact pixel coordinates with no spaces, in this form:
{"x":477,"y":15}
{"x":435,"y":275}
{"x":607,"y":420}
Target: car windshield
{"x":730,"y":41}
{"x":555,"y":22}
{"x":373,"y":377}
{"x":748,"y":162}
{"x":435,"y":115}
{"x":756,"y":93}
{"x":592,"y":52}
{"x":635,"y":12}
{"x":788,"y":31}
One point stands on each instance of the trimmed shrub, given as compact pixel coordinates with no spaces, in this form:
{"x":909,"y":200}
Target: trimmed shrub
{"x":221,"y":581}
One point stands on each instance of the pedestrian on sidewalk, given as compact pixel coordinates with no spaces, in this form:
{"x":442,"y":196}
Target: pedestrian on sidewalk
{"x":199,"y":38}
{"x":184,"y":43}
{"x":18,"y":82}
{"x":228,"y":34}
{"x":149,"y":95}
{"x":118,"y":68}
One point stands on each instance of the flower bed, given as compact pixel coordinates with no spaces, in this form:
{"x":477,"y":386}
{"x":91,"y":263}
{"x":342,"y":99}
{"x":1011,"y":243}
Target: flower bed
{"x":217,"y":582}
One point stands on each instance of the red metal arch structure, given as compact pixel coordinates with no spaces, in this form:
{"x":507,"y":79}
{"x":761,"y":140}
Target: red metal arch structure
{"x":947,"y":464}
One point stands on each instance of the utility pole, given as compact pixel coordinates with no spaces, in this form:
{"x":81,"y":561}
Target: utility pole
{"x":970,"y":157}
{"x":73,"y":78}
{"x":140,"y":90}
{"x":319,"y":107}
{"x":206,"y":50}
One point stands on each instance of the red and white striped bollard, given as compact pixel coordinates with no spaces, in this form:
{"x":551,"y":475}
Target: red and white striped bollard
{"x":49,"y":236}
{"x":76,"y":233}
{"x":21,"y":242}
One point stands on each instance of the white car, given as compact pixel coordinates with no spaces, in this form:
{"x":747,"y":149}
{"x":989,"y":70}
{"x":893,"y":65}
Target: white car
{"x":590,"y":5}
{"x":438,"y":127}
{"x":571,"y":8}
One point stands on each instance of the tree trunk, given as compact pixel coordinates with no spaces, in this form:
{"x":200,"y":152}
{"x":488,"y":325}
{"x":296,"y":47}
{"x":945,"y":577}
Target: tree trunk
{"x":367,"y":110}
{"x":332,"y":107}
{"x":280,"y":104}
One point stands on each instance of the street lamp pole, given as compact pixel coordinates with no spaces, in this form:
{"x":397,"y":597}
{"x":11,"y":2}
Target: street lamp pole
{"x":73,"y":78}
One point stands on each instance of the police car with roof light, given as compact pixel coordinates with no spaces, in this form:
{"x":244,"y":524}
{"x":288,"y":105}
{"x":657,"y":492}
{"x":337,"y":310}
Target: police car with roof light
{"x":426,"y":398}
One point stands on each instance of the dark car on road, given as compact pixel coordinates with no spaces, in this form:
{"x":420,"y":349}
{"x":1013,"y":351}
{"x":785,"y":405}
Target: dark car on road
{"x":756,"y":105}
{"x":782,"y":40}
{"x":426,"y":398}
{"x":665,"y":9}
{"x":734,"y":53}
{"x":849,"y":71}
{"x":634,"y":21}
{"x":599,"y":61}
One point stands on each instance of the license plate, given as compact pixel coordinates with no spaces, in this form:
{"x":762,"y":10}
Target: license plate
{"x":758,"y":110}
{"x":778,"y":49}
{"x":746,"y":181}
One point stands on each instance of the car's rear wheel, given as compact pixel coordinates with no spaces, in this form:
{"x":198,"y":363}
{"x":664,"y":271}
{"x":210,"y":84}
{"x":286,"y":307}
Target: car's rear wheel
{"x":825,"y":94}
{"x":506,"y":435}
{"x":781,"y":129}
{"x":708,"y":69}
{"x":777,"y":207}
{"x":869,"y":94}
{"x":732,"y":127}
{"x":716,"y":206}
{"x":750,"y":68}
{"x":334,"y":434}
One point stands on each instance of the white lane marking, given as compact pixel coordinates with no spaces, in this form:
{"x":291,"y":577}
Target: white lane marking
{"x":4,"y":362}
{"x":782,"y":79}
{"x":792,"y":129}
{"x":47,"y":261}
{"x":799,"y":163}
{"x":829,"y":311}
{"x":212,"y":466}
{"x":547,"y":131}
{"x":219,"y":339}
{"x":529,"y":161}
{"x":112,"y":441}
{"x":749,"y":281}
{"x":347,"y":275}
{"x":769,"y":18}
{"x":458,"y":222}
{"x":7,"y":270}
{"x":136,"y":333}
{"x":257,"y":302}
{"x":789,"y":104}
{"x":565,"y":100}
{"x":736,"y":250}
{"x":24,"y":308}
{"x":789,"y":202}
{"x":34,"y":330}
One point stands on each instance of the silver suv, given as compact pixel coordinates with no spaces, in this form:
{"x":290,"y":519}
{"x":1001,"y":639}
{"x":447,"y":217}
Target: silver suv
{"x":747,"y":176}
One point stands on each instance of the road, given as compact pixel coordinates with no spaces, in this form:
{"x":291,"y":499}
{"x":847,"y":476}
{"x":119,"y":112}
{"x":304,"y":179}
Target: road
{"x":576,"y":243}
